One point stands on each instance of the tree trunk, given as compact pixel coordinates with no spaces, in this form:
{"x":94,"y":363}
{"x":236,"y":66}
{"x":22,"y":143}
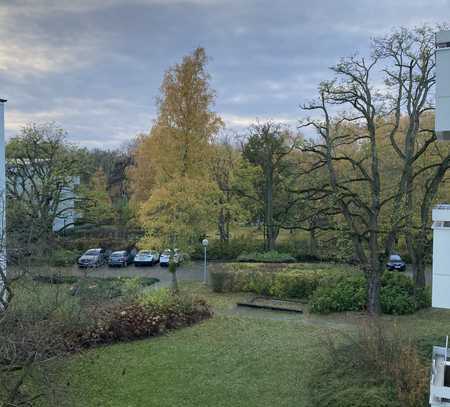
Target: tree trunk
{"x":174,"y":281}
{"x":271,"y":233}
{"x":173,"y":271}
{"x":313,"y":246}
{"x":223,"y":226}
{"x":374,"y":284}
{"x":417,"y":254}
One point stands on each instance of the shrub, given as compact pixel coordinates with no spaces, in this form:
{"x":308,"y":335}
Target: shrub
{"x":154,"y":313}
{"x":347,"y":294}
{"x":266,"y":257}
{"x":221,"y":281}
{"x":295,"y":283}
{"x":97,"y":290}
{"x":265,"y":279}
{"x":131,"y":287}
{"x":397,"y":295}
{"x":63,"y":257}
{"x":55,"y":279}
{"x":395,"y":300}
{"x":34,"y":303}
{"x":228,"y":250}
{"x":160,"y":300}
{"x":259,"y":282}
{"x":423,"y":297}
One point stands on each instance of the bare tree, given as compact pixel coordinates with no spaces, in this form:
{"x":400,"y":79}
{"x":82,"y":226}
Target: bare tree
{"x":40,"y":178}
{"x":351,"y":142}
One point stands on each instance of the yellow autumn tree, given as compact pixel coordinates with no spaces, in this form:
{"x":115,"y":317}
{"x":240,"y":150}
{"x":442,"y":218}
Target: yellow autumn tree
{"x":172,"y":181}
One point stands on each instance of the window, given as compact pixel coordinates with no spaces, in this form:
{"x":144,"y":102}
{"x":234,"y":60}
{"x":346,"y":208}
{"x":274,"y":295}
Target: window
{"x":443,"y":45}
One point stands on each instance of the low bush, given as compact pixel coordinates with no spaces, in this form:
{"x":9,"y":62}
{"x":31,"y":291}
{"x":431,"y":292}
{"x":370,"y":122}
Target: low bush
{"x":397,"y":295}
{"x":227,"y":250}
{"x":97,"y":290}
{"x":347,"y":294}
{"x":266,"y":257}
{"x":264,"y":279}
{"x":55,"y":279}
{"x":296,"y":283}
{"x":221,"y":281}
{"x":64,"y":257}
{"x":153,"y":314}
{"x":328,"y":289}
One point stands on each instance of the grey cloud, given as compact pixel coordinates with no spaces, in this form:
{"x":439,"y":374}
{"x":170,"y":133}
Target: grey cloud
{"x":96,"y":66}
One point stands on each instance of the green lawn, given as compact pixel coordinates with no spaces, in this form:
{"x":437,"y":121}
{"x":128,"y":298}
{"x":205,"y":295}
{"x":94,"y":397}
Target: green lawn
{"x":234,"y":359}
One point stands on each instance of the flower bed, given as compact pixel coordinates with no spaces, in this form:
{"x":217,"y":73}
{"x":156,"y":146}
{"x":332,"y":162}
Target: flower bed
{"x":152,"y":314}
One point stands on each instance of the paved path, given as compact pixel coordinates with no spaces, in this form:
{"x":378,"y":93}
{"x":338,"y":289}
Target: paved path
{"x":189,"y":271}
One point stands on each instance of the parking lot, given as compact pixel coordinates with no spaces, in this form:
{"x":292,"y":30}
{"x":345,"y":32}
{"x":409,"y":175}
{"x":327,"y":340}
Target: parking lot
{"x":189,"y":271}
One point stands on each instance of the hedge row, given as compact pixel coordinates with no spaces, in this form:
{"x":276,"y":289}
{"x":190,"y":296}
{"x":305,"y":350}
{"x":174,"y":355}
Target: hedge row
{"x":266,"y":257}
{"x":288,"y":283}
{"x":328,"y":290}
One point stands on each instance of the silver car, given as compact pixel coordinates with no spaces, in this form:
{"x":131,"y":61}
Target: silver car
{"x":146,"y":258}
{"x":165,"y":257}
{"x":92,"y":258}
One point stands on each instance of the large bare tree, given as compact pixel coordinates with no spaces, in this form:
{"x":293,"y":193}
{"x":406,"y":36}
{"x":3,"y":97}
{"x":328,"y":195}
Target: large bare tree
{"x":376,"y":103}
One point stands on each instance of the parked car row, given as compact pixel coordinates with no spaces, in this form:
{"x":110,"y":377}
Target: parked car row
{"x":94,"y":258}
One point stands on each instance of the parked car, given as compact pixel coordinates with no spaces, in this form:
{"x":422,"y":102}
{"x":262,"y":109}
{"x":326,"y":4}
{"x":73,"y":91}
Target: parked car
{"x":120,"y":258}
{"x":395,"y":263}
{"x":92,"y":258}
{"x":146,"y":258}
{"x":165,"y":257}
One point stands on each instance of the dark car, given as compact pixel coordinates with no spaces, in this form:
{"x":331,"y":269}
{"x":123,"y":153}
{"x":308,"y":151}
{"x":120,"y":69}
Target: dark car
{"x":395,"y":263}
{"x":92,"y":258}
{"x":120,"y":258}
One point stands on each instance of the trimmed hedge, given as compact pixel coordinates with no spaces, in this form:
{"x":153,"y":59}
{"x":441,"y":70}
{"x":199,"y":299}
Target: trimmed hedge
{"x":264,"y":279}
{"x":328,"y":290}
{"x":230,"y":250}
{"x":266,"y":257}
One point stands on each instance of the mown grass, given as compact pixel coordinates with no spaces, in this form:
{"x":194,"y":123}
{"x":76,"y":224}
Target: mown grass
{"x":234,"y":359}
{"x":226,"y":361}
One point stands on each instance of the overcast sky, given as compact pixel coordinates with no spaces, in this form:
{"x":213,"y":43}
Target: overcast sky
{"x":95,"y":66}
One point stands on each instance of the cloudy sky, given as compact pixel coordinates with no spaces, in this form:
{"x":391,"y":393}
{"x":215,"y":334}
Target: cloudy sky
{"x":95,"y":66}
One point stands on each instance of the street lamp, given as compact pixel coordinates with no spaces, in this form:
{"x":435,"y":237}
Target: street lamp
{"x":205,"y":267}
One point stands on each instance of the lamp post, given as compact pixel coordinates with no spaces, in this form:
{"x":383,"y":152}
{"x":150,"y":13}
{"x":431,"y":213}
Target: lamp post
{"x":205,"y":266}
